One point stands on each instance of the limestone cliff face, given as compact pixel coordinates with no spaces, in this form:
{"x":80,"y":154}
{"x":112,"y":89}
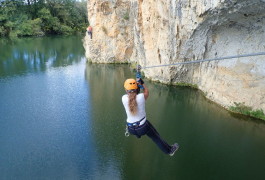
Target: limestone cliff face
{"x":112,"y":34}
{"x":168,"y":31}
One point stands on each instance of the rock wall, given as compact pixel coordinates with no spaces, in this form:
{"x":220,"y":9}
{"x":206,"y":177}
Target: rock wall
{"x":160,"y":32}
{"x":112,"y":39}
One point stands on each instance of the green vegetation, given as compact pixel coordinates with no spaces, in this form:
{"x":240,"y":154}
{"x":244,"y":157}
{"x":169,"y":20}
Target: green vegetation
{"x":104,"y":29}
{"x":40,"y":17}
{"x":126,"y":16}
{"x":89,"y":60}
{"x":133,"y":66}
{"x":246,"y":110}
{"x":186,"y":84}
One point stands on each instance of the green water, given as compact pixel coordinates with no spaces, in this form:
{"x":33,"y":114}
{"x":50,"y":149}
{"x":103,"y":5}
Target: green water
{"x":63,"y":119}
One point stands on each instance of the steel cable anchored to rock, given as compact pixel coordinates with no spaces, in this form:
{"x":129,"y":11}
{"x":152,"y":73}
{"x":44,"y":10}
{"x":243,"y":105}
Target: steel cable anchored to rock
{"x":207,"y":60}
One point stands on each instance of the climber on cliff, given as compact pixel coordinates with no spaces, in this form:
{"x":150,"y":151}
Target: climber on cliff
{"x":137,"y":123}
{"x":89,"y":31}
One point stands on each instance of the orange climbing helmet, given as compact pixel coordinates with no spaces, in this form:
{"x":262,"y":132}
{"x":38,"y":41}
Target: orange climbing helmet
{"x":130,"y":84}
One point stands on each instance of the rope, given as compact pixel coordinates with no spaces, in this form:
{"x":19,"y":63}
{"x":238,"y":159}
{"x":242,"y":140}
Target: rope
{"x":204,"y":60}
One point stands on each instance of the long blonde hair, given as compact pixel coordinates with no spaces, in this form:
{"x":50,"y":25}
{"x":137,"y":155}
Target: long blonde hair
{"x":132,"y":102}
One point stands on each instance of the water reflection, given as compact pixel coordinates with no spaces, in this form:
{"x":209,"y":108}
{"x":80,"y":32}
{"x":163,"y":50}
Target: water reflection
{"x":108,"y":117}
{"x":45,"y":126}
{"x":29,"y":55}
{"x":212,"y":141}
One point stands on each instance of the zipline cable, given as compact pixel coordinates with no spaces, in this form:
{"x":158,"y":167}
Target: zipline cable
{"x":204,"y":60}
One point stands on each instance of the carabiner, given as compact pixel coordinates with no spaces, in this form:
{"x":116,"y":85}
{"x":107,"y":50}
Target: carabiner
{"x":127,"y":134}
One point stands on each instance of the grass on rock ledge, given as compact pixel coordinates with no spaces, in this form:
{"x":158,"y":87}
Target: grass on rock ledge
{"x":246,"y":110}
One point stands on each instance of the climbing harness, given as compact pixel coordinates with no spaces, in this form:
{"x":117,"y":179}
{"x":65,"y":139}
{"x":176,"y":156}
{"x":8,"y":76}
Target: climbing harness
{"x":135,"y":124}
{"x":205,"y":60}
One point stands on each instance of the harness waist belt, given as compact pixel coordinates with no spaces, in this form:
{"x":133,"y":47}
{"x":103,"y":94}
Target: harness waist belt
{"x":137,"y":123}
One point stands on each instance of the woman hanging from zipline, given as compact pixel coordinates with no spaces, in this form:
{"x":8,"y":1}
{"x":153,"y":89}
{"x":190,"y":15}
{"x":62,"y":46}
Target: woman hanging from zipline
{"x":137,"y":124}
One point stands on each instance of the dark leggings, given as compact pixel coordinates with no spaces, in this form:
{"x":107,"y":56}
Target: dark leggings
{"x":90,"y":33}
{"x":148,"y":129}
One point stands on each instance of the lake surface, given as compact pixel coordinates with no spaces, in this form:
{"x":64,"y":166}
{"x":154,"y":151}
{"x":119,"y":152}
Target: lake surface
{"x":61,"y":118}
